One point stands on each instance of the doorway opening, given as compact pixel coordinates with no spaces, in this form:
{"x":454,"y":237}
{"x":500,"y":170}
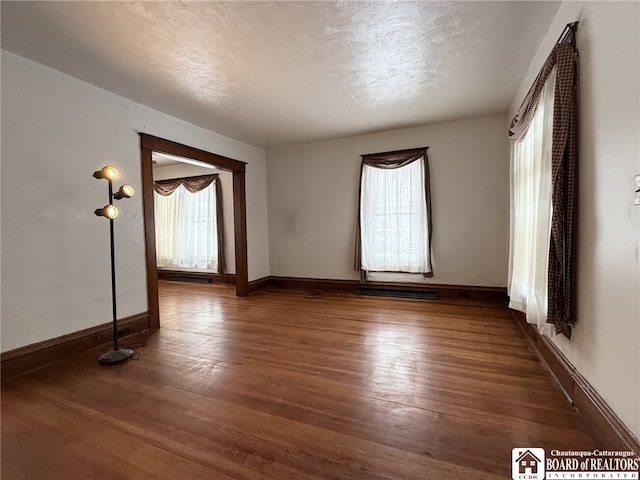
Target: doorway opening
{"x":149,"y":145}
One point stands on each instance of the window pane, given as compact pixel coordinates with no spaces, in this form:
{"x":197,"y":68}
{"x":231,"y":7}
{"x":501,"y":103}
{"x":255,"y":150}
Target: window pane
{"x":186,"y":230}
{"x":393,"y":218}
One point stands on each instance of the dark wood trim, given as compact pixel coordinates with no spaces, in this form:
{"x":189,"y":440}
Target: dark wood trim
{"x":451,"y":292}
{"x":35,"y":355}
{"x":604,"y":423}
{"x":259,"y":284}
{"x":150,"y":144}
{"x":161,"y":145}
{"x":146,"y":161}
{"x":325,"y":285}
{"x":558,"y":365}
{"x":448,"y":292}
{"x":211,"y":277}
{"x":240,"y":227}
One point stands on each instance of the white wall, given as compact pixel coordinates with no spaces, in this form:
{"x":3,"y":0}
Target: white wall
{"x":226,"y":184}
{"x":313,"y":198}
{"x":56,"y":131}
{"x":606,"y":344}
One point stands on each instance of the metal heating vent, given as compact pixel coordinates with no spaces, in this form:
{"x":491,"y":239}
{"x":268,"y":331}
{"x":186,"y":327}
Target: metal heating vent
{"x":187,"y":278}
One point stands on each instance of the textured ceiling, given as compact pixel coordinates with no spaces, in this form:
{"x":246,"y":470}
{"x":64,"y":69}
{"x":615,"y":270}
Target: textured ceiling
{"x":274,"y":73}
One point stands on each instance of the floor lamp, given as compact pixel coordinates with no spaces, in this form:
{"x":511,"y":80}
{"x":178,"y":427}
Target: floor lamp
{"x":110,"y":212}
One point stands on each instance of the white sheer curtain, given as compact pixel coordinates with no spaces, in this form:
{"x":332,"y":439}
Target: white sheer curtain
{"x":393,"y":219}
{"x":186,"y":229}
{"x":531,"y":214}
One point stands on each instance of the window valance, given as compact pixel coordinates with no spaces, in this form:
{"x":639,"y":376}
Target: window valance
{"x":192,"y":184}
{"x":395,"y":159}
{"x":564,"y":56}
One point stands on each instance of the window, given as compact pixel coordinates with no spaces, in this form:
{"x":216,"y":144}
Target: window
{"x":543,"y":194}
{"x":531,"y":213}
{"x":544,"y":131}
{"x":394,"y":228}
{"x":188,"y":223}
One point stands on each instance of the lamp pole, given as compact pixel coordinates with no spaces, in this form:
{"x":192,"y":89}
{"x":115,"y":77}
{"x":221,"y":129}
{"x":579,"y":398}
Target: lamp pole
{"x":111,"y":212}
{"x":113,"y":276}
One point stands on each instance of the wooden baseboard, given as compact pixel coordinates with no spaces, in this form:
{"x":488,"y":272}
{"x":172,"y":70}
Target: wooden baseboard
{"x":259,"y":284}
{"x":35,"y":355}
{"x":197,"y":276}
{"x":448,"y":292}
{"x":607,"y":428}
{"x":319,"y":284}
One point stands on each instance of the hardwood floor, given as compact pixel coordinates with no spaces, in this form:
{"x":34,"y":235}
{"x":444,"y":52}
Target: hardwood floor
{"x":288,"y":385}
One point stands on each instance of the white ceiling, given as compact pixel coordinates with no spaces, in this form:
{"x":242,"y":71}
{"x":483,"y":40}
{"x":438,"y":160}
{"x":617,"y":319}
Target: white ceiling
{"x":274,"y":73}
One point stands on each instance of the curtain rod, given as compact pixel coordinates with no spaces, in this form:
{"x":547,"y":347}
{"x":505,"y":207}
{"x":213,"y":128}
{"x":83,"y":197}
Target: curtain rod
{"x":568,"y":28}
{"x":392,"y":152}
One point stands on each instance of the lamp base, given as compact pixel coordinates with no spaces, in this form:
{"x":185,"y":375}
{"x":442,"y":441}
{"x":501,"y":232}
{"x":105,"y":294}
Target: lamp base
{"x":115,"y":356}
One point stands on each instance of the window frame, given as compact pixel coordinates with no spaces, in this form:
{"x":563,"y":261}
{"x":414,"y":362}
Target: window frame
{"x":394,"y":160}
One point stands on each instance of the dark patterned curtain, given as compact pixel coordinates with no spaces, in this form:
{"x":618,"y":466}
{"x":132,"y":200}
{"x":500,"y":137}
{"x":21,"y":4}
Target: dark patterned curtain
{"x":193,"y":185}
{"x":561,"y":284}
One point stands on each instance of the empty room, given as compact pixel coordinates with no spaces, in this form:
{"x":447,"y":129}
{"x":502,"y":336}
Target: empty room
{"x":320,"y":240}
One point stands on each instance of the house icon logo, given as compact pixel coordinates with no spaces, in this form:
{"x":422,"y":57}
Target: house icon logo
{"x":527,"y":463}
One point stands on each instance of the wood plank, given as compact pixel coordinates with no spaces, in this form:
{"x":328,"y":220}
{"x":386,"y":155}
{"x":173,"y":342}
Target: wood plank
{"x":287,"y":385}
{"x":74,"y":447}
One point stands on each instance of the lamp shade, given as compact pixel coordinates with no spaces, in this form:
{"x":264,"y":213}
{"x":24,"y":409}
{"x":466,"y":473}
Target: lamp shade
{"x":108,"y":211}
{"x":125,"y":191}
{"x":107,"y":172}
